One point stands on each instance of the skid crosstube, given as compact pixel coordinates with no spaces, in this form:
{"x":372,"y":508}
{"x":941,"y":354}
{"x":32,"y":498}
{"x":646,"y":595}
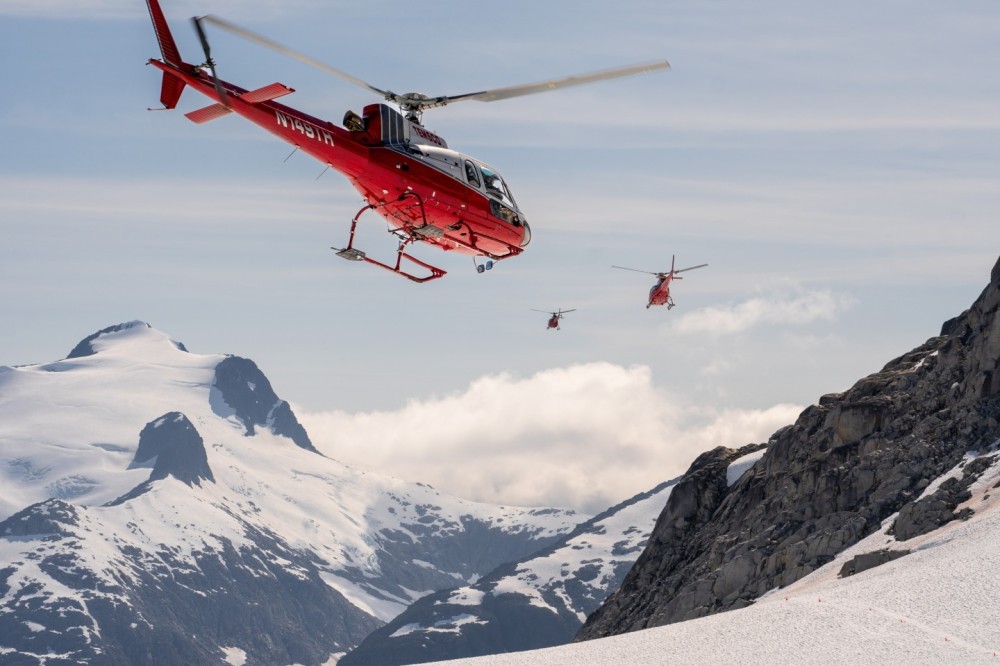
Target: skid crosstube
{"x":410,"y":233}
{"x":352,"y":254}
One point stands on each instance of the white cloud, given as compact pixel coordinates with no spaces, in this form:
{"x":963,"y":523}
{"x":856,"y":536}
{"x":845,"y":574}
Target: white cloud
{"x":585,"y":436}
{"x":796,"y":309}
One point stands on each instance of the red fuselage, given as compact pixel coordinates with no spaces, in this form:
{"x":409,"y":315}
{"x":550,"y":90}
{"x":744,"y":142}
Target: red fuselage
{"x":406,"y":173}
{"x":659,"y":294}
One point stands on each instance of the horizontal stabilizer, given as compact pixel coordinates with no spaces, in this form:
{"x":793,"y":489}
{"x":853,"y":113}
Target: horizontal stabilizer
{"x":266,"y":93}
{"x":207,"y":113}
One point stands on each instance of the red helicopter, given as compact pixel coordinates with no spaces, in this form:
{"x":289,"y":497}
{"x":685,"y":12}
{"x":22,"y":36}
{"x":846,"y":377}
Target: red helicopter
{"x":660,"y":293}
{"x":427,"y":192}
{"x":554,"y":319}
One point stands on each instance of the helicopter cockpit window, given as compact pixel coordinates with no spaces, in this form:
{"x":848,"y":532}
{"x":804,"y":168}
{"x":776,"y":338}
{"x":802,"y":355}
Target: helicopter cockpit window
{"x":496,"y":187}
{"x":471,"y":173}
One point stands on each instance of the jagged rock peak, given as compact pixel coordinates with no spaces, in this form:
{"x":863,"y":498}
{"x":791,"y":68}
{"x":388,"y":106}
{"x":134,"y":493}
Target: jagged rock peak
{"x":246,"y":390}
{"x":130,"y":330}
{"x":824,"y":483}
{"x":173,"y":446}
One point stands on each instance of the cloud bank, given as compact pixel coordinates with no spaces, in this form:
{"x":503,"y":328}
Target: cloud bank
{"x":585,"y":436}
{"x":796,"y":309}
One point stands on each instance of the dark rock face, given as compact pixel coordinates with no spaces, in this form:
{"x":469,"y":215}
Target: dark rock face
{"x":931,"y":512}
{"x":177,"y":448}
{"x":55,"y":521}
{"x":159,"y":607}
{"x":248,"y":392}
{"x":824,"y":483}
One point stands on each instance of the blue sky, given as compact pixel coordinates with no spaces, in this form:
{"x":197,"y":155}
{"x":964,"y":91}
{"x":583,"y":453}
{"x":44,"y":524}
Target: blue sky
{"x":836,"y":164}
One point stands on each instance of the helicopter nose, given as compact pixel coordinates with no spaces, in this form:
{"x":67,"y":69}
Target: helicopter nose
{"x":527,"y":233}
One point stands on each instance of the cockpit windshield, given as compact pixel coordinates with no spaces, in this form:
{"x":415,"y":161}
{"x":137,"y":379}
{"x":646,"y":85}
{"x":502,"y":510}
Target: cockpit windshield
{"x":496,"y":187}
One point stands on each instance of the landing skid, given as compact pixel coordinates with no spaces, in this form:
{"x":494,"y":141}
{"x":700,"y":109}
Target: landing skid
{"x":353,"y":254}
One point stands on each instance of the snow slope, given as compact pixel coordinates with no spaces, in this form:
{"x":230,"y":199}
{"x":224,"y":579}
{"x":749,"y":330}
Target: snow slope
{"x":935,"y":605}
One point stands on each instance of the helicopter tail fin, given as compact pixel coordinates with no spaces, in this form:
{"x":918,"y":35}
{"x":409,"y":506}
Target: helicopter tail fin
{"x":168,"y":47}
{"x":173,"y":86}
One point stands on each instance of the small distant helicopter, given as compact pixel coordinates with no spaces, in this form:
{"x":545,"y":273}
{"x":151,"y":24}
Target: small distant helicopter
{"x":427,"y":192}
{"x":660,"y":293}
{"x":554,"y":319}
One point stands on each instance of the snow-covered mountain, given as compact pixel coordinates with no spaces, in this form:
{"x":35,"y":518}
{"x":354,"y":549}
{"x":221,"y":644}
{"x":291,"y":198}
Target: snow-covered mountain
{"x":539,"y":601}
{"x":160,"y":506}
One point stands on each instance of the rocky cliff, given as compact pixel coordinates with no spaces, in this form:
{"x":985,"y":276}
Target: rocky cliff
{"x":847,"y":464}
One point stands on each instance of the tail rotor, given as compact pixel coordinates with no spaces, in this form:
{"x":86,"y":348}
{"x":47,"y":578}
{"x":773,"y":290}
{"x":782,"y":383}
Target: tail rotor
{"x":223,"y":98}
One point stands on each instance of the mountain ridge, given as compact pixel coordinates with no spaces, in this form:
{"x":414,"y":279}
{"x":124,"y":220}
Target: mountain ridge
{"x":537,"y":601}
{"x":169,"y":499}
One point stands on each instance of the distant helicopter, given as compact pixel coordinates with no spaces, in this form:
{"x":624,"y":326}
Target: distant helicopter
{"x":554,"y":319}
{"x":427,"y":192}
{"x":660,"y":292}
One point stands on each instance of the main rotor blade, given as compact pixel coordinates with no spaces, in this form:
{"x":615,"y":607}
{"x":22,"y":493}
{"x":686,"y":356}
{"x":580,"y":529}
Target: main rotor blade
{"x":690,"y":268}
{"x":637,"y":270}
{"x":418,"y":101}
{"x":497,"y":94}
{"x":291,"y":53}
{"x":565,"y":311}
{"x":545,"y":311}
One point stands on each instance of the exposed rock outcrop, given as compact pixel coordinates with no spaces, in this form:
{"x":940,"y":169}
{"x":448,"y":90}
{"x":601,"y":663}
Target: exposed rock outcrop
{"x":934,"y":510}
{"x":172,"y":447}
{"x":246,"y":390}
{"x":829,"y":480}
{"x":52,"y":518}
{"x":866,"y":561}
{"x":178,"y":448}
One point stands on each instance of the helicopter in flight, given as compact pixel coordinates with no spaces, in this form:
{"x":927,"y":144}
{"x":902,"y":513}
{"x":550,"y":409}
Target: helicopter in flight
{"x":427,"y":192}
{"x":659,"y":294}
{"x":554,"y":319}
